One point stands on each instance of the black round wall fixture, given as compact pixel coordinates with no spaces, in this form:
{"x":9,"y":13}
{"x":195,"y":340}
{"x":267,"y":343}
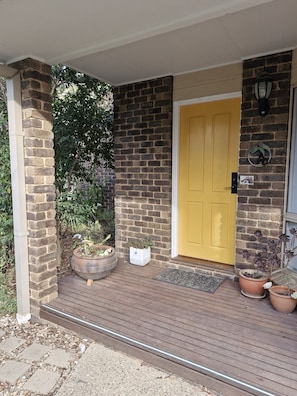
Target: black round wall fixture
{"x":259,"y":155}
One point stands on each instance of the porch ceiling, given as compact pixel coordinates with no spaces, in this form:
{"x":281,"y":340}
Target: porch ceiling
{"x":123,"y":41}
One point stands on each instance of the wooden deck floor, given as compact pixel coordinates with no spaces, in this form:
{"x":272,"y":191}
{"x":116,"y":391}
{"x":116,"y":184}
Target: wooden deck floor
{"x":224,"y":340}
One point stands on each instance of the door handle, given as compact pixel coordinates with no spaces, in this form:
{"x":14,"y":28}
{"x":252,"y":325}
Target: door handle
{"x":234,"y":179}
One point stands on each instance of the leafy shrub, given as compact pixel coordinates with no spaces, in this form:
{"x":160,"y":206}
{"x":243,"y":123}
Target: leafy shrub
{"x":6,"y":219}
{"x":82,"y":124}
{"x":80,"y":209}
{"x":8,"y":303}
{"x":83,"y":138}
{"x":7,"y":291}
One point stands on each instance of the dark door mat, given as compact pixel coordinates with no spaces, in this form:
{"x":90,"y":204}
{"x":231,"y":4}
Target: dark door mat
{"x":193,"y":280}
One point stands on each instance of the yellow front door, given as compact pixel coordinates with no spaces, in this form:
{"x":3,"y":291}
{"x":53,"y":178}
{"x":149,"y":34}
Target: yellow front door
{"x":208,"y":154}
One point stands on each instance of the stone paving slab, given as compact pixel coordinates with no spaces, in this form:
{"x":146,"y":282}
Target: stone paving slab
{"x":10,"y":344}
{"x":105,"y":372}
{"x":34,"y":352}
{"x":42,"y":382}
{"x":11,"y":371}
{"x":59,"y":358}
{"x":94,"y":370}
{"x":2,"y":333}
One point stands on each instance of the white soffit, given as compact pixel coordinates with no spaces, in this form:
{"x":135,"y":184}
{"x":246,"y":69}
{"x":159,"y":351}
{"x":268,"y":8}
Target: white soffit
{"x":121,"y":41}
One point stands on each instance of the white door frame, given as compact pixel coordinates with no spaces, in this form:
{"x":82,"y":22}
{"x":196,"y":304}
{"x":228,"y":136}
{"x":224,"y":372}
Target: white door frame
{"x":175,"y":157}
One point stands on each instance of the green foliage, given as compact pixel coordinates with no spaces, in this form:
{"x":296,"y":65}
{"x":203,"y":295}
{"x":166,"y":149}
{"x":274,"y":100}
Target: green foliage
{"x":6,"y":240}
{"x":106,"y":219}
{"x":5,"y":178}
{"x":6,"y":219}
{"x":80,"y":211}
{"x":7,"y":293}
{"x":3,"y":107}
{"x":82,"y":123}
{"x":92,"y":247}
{"x":8,"y":303}
{"x":79,"y":207}
{"x":141,"y":243}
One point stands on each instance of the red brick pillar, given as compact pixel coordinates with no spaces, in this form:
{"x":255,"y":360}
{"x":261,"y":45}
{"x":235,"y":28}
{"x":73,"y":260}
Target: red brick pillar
{"x":143,"y":169}
{"x":260,"y":206}
{"x":39,"y":181}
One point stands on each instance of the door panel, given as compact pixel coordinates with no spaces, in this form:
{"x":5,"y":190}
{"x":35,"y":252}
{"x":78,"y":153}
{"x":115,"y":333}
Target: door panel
{"x":193,"y":216}
{"x":208,"y":154}
{"x":220,"y":175}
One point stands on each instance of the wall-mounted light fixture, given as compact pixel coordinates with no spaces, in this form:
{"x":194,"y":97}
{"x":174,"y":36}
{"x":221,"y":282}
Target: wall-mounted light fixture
{"x":263,"y":86}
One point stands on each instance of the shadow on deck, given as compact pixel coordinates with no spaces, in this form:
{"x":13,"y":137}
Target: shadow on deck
{"x":225,"y":341}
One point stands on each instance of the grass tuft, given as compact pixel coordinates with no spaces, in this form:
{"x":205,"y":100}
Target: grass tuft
{"x":8,"y":304}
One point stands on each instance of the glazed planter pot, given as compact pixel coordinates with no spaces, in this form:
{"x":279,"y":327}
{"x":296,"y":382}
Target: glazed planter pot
{"x":280,"y":300}
{"x":140,"y":256}
{"x":96,"y":267}
{"x":252,"y":287}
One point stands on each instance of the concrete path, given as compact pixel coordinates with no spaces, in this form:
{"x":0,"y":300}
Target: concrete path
{"x":102,"y":371}
{"x":40,"y":369}
{"x":45,"y":359}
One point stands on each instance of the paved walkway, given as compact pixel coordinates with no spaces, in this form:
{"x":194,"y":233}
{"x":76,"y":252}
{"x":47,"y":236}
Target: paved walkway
{"x":19,"y":363}
{"x":40,"y":369}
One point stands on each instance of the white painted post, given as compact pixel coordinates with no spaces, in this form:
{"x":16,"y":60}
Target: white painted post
{"x":16,"y":142}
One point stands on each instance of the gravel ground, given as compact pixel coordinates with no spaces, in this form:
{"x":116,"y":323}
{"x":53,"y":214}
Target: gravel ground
{"x":45,"y":334}
{"x":93,"y":369}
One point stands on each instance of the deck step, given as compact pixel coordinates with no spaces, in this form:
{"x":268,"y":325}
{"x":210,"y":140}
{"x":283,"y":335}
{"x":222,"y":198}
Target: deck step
{"x":148,"y":353}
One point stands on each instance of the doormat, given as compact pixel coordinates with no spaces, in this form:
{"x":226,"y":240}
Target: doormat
{"x":193,"y":280}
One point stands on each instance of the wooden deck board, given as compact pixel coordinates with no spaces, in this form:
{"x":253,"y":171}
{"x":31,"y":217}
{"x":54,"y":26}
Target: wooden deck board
{"x":237,"y":337}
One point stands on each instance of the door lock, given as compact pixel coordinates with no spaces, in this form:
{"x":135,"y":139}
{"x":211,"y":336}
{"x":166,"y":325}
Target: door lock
{"x":234,"y":179}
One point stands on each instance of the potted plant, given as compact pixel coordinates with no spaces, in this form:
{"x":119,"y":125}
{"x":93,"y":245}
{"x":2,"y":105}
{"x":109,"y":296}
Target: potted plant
{"x":92,"y":259}
{"x":140,"y":251}
{"x":283,"y":297}
{"x":252,"y":280}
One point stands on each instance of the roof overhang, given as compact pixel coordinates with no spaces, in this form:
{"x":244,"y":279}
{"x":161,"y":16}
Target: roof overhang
{"x":123,"y":41}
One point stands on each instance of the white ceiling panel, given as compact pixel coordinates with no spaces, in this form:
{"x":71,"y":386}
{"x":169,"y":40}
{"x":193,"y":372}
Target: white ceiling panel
{"x":121,"y":41}
{"x":266,"y":29}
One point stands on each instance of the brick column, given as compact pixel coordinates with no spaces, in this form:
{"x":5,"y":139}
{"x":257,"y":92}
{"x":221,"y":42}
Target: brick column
{"x":143,"y":142}
{"x":261,"y":206}
{"x":39,"y":180}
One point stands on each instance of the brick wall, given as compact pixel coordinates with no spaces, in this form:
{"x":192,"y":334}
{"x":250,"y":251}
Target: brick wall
{"x":39,"y":179}
{"x":143,"y":142}
{"x":106,"y":176}
{"x":261,"y":206}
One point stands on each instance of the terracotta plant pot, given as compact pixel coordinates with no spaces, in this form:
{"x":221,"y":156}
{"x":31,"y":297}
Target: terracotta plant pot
{"x":96,"y":267}
{"x":280,"y":300}
{"x":252,"y":287}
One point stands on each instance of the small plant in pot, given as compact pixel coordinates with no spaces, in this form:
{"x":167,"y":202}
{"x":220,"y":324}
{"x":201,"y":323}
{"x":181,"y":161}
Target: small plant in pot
{"x":92,"y":259}
{"x":283,"y":297}
{"x":252,"y":280}
{"x":140,"y":251}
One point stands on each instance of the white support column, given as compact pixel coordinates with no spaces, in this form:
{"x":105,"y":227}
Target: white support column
{"x":16,"y":142}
